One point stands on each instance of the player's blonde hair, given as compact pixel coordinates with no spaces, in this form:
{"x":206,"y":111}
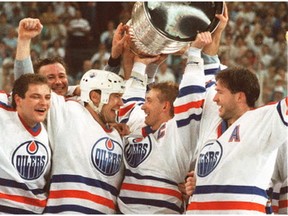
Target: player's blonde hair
{"x":168,"y":92}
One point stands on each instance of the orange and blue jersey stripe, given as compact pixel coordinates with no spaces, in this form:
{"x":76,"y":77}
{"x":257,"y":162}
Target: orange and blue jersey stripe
{"x":81,"y":195}
{"x":156,"y":190}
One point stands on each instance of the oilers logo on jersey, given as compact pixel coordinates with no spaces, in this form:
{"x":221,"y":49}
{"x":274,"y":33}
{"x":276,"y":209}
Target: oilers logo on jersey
{"x":30,"y":159}
{"x":209,"y":158}
{"x":106,"y":156}
{"x":137,"y":150}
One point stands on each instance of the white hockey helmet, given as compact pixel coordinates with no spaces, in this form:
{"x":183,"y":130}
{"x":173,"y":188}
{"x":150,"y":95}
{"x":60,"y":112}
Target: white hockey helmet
{"x":106,"y":82}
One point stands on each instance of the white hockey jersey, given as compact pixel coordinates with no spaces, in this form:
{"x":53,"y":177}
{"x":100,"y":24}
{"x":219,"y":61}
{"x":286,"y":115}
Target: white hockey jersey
{"x":157,"y":161}
{"x":279,"y":183}
{"x":25,"y":162}
{"x":235,"y":164}
{"x":87,"y":161}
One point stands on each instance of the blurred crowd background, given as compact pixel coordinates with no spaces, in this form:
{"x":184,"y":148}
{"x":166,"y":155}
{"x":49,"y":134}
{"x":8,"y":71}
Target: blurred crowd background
{"x":81,"y":33}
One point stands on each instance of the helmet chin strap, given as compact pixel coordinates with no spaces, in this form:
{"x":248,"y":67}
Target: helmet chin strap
{"x":95,"y":108}
{"x":98,"y":111}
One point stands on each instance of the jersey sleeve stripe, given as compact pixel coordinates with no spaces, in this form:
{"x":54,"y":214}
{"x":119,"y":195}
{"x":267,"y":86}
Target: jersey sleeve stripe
{"x":151,"y":189}
{"x":81,"y":195}
{"x":151,"y":202}
{"x":275,"y":208}
{"x":283,"y":200}
{"x":283,"y":204}
{"x":124,"y":120}
{"x":135,"y":99}
{"x":279,"y":109}
{"x":138,"y":176}
{"x":83,"y":180}
{"x":14,"y":184}
{"x":184,"y":122}
{"x":190,"y":89}
{"x":74,"y":208}
{"x":6,"y":107}
{"x":207,"y":189}
{"x":284,"y":190}
{"x":24,"y":200}
{"x":186,"y":107}
{"x":209,"y":84}
{"x":126,"y":109}
{"x":211,"y":71}
{"x":226,"y":205}
{"x":13,"y":210}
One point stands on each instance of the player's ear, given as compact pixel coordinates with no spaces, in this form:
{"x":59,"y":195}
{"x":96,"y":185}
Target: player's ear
{"x":17,"y":99}
{"x":95,"y":97}
{"x":166,"y":106}
{"x":241,"y":97}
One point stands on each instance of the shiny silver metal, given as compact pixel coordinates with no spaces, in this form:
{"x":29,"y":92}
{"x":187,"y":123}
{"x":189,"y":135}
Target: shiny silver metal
{"x":167,"y":27}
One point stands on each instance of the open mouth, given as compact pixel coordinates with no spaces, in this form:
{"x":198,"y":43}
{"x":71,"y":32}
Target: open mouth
{"x":58,"y":89}
{"x":41,"y":110}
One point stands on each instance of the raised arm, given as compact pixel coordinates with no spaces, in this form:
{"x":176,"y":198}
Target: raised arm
{"x":212,"y":48}
{"x":135,"y":91}
{"x":28,"y":29}
{"x":210,"y":52}
{"x":119,"y":38}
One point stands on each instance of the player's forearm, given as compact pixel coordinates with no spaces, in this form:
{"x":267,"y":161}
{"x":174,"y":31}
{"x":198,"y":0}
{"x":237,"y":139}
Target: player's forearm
{"x":22,"y":67}
{"x":23,"y":49}
{"x":22,"y":63}
{"x":113,"y":65}
{"x":151,"y":71}
{"x":212,"y":49}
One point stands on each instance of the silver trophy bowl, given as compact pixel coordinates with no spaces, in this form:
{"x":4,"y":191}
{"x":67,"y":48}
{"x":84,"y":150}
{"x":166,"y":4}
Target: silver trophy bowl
{"x":167,"y":27}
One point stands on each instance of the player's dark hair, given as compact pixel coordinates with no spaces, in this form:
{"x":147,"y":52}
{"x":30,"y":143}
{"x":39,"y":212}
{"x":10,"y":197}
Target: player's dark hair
{"x":238,"y":79}
{"x":168,"y":92}
{"x":21,"y":85}
{"x":47,"y":61}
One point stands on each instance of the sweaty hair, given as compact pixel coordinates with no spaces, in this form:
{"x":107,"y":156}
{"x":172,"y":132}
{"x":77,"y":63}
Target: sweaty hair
{"x":168,"y":92}
{"x":47,"y":61}
{"x":21,"y":85}
{"x":238,"y":79}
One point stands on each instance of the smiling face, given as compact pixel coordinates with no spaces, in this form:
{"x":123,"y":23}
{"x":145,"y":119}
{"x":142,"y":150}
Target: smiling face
{"x":109,"y":110}
{"x":57,"y":77}
{"x":34,"y":106}
{"x":227,"y":102}
{"x":153,"y":109}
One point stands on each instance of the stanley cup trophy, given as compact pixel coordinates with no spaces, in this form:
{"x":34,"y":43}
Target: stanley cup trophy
{"x":167,"y":27}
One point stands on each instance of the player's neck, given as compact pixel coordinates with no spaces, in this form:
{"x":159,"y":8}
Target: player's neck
{"x":237,"y":115}
{"x":96,"y":116}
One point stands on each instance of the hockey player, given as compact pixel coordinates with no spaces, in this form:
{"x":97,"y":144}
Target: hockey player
{"x":121,"y":51}
{"x":87,"y":154}
{"x":160,"y":147}
{"x":25,"y":155}
{"x":236,"y":148}
{"x":279,"y":182}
